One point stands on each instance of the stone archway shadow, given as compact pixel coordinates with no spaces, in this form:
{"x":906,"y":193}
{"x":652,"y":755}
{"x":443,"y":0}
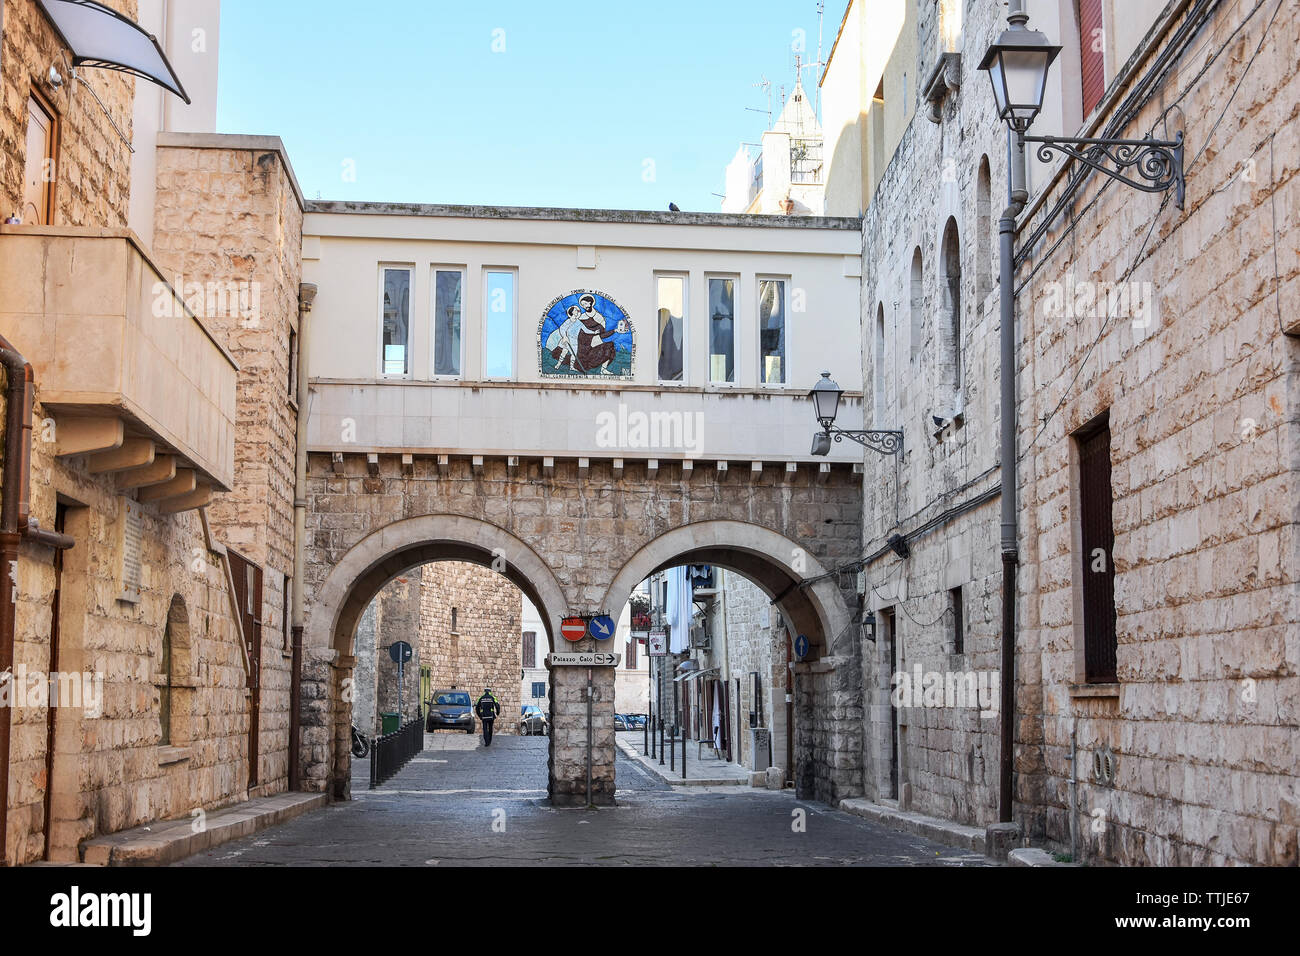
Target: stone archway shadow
{"x":772,"y":561}
{"x":378,"y":558}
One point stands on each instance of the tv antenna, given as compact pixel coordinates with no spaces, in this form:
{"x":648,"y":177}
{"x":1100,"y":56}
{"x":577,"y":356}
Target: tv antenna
{"x":766,"y":85}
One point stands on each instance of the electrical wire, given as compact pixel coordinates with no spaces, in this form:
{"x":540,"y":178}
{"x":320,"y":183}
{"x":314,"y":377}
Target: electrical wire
{"x":1163,"y":202}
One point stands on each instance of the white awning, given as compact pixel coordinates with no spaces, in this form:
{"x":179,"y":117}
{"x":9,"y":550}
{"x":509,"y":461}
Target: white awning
{"x":99,"y":36}
{"x":696,"y":675}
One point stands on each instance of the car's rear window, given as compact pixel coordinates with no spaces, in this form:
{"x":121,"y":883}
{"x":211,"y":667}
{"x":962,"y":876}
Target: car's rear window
{"x":452,"y":697}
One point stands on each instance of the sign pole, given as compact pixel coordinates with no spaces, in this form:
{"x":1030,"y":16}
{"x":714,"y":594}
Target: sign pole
{"x":589,"y":741}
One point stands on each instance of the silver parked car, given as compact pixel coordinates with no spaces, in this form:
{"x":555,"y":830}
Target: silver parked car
{"x":531,"y":720}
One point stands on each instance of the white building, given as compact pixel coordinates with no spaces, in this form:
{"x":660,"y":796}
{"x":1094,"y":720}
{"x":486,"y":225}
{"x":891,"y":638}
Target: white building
{"x":785,"y":177}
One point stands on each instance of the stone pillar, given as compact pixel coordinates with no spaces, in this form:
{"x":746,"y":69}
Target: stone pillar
{"x":317,"y":727}
{"x":568,"y":742}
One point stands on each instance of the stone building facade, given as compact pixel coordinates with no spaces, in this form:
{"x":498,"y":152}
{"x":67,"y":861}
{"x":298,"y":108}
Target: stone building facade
{"x":1179,"y":344}
{"x":470,"y":636}
{"x":248,"y":267}
{"x":932,"y":362}
{"x":1162,"y":331}
{"x":139,"y":403}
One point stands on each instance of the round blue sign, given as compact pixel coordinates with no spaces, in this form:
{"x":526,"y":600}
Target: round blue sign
{"x":601,"y":628}
{"x":801,"y":646}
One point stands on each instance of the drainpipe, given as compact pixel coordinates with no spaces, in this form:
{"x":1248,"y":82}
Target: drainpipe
{"x":306,"y":296}
{"x":1019,"y":195}
{"x":16,"y":523}
{"x":17,"y":375}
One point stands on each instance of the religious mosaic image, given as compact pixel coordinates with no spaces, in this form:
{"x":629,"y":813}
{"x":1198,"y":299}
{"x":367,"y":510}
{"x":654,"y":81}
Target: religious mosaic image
{"x":586,"y":334}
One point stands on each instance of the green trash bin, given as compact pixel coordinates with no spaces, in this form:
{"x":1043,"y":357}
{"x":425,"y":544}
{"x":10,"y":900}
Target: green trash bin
{"x":390,"y":722}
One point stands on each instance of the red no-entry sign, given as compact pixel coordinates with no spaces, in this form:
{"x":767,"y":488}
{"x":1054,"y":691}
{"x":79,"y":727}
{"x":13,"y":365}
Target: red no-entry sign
{"x":573,"y":628}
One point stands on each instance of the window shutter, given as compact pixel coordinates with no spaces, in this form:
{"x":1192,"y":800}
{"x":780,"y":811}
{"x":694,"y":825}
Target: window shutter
{"x":1092,"y":60}
{"x":1098,"y":538}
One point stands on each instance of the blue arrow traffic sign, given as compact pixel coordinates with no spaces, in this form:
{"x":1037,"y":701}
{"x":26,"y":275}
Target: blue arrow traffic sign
{"x":601,"y":627}
{"x":801,"y":646}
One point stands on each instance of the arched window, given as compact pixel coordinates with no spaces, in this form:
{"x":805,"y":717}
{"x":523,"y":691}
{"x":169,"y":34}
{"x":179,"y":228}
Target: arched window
{"x":948,"y":333}
{"x":917,"y":305}
{"x":985,"y":230}
{"x":173,"y":662}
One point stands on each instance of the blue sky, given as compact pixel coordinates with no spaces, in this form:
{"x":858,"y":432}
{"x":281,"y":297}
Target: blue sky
{"x":411,"y":98}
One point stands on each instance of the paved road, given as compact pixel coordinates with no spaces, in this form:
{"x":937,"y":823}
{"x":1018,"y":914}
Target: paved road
{"x":458,"y":804}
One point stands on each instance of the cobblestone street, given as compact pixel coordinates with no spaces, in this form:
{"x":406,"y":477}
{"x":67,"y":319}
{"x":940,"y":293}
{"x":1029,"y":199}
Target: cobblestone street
{"x":440,"y":810}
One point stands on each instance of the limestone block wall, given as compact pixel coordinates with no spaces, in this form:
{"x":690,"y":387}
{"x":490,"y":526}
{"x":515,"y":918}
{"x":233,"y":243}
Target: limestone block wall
{"x":110,"y":770}
{"x":755,"y":639}
{"x":93,"y":174}
{"x":484,"y":648}
{"x":228,"y":223}
{"x":1203,"y":394}
{"x":953,"y":170}
{"x":397,"y":618}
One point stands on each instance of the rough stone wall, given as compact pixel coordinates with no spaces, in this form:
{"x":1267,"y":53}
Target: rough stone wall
{"x":397,"y":618}
{"x":227,"y":216}
{"x":110,"y":771}
{"x":1204,"y":404}
{"x":364,"y":677}
{"x":755,"y":642}
{"x":485,"y":648}
{"x":93,"y":175}
{"x":947,"y":754}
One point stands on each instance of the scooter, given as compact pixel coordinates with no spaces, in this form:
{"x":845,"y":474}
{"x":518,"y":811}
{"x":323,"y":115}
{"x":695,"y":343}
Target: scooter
{"x":360,"y":745}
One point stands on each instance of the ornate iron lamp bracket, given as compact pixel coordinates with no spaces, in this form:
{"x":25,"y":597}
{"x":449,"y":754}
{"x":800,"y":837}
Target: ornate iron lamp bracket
{"x":885,"y":441}
{"x":1151,"y":165}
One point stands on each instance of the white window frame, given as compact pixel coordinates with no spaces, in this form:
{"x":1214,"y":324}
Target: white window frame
{"x":433,"y":318}
{"x":514,"y":326}
{"x":736,"y":326}
{"x":409,"y":267}
{"x":758,"y":328}
{"x":685,"y":279}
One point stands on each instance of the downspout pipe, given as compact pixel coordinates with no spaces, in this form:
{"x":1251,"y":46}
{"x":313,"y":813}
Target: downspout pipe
{"x":17,"y":374}
{"x":306,"y":296}
{"x":16,"y":523}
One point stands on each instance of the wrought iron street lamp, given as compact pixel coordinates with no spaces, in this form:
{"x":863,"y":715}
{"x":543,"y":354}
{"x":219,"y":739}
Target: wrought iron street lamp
{"x":826,"y":405}
{"x":1017,"y":65}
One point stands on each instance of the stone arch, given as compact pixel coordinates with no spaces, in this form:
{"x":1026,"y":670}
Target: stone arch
{"x":382,"y":555}
{"x":771,"y":560}
{"x":175,"y":664}
{"x":949,"y":327}
{"x":916,"y":302}
{"x":985,"y":232}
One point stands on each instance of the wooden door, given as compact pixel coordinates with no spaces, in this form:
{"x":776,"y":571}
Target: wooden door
{"x":248,"y":595}
{"x":38,"y":171}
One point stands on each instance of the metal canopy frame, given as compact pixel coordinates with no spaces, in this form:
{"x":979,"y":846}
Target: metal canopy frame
{"x":168,"y":81}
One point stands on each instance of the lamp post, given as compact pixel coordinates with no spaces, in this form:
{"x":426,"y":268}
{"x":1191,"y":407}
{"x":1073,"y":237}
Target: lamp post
{"x":826,"y":405}
{"x":1017,"y":65}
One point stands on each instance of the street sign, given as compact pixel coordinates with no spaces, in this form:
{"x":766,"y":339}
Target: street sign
{"x":601,"y":627}
{"x":589,"y":659}
{"x":801,"y":646}
{"x":657,"y":642}
{"x":400,"y":652}
{"x":573,"y":628}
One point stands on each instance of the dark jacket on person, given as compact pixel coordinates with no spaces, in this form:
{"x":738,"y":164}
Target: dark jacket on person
{"x":487,"y":707}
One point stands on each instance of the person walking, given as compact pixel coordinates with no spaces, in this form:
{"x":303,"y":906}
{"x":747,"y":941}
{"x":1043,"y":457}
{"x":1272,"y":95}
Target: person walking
{"x":488,"y":709}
